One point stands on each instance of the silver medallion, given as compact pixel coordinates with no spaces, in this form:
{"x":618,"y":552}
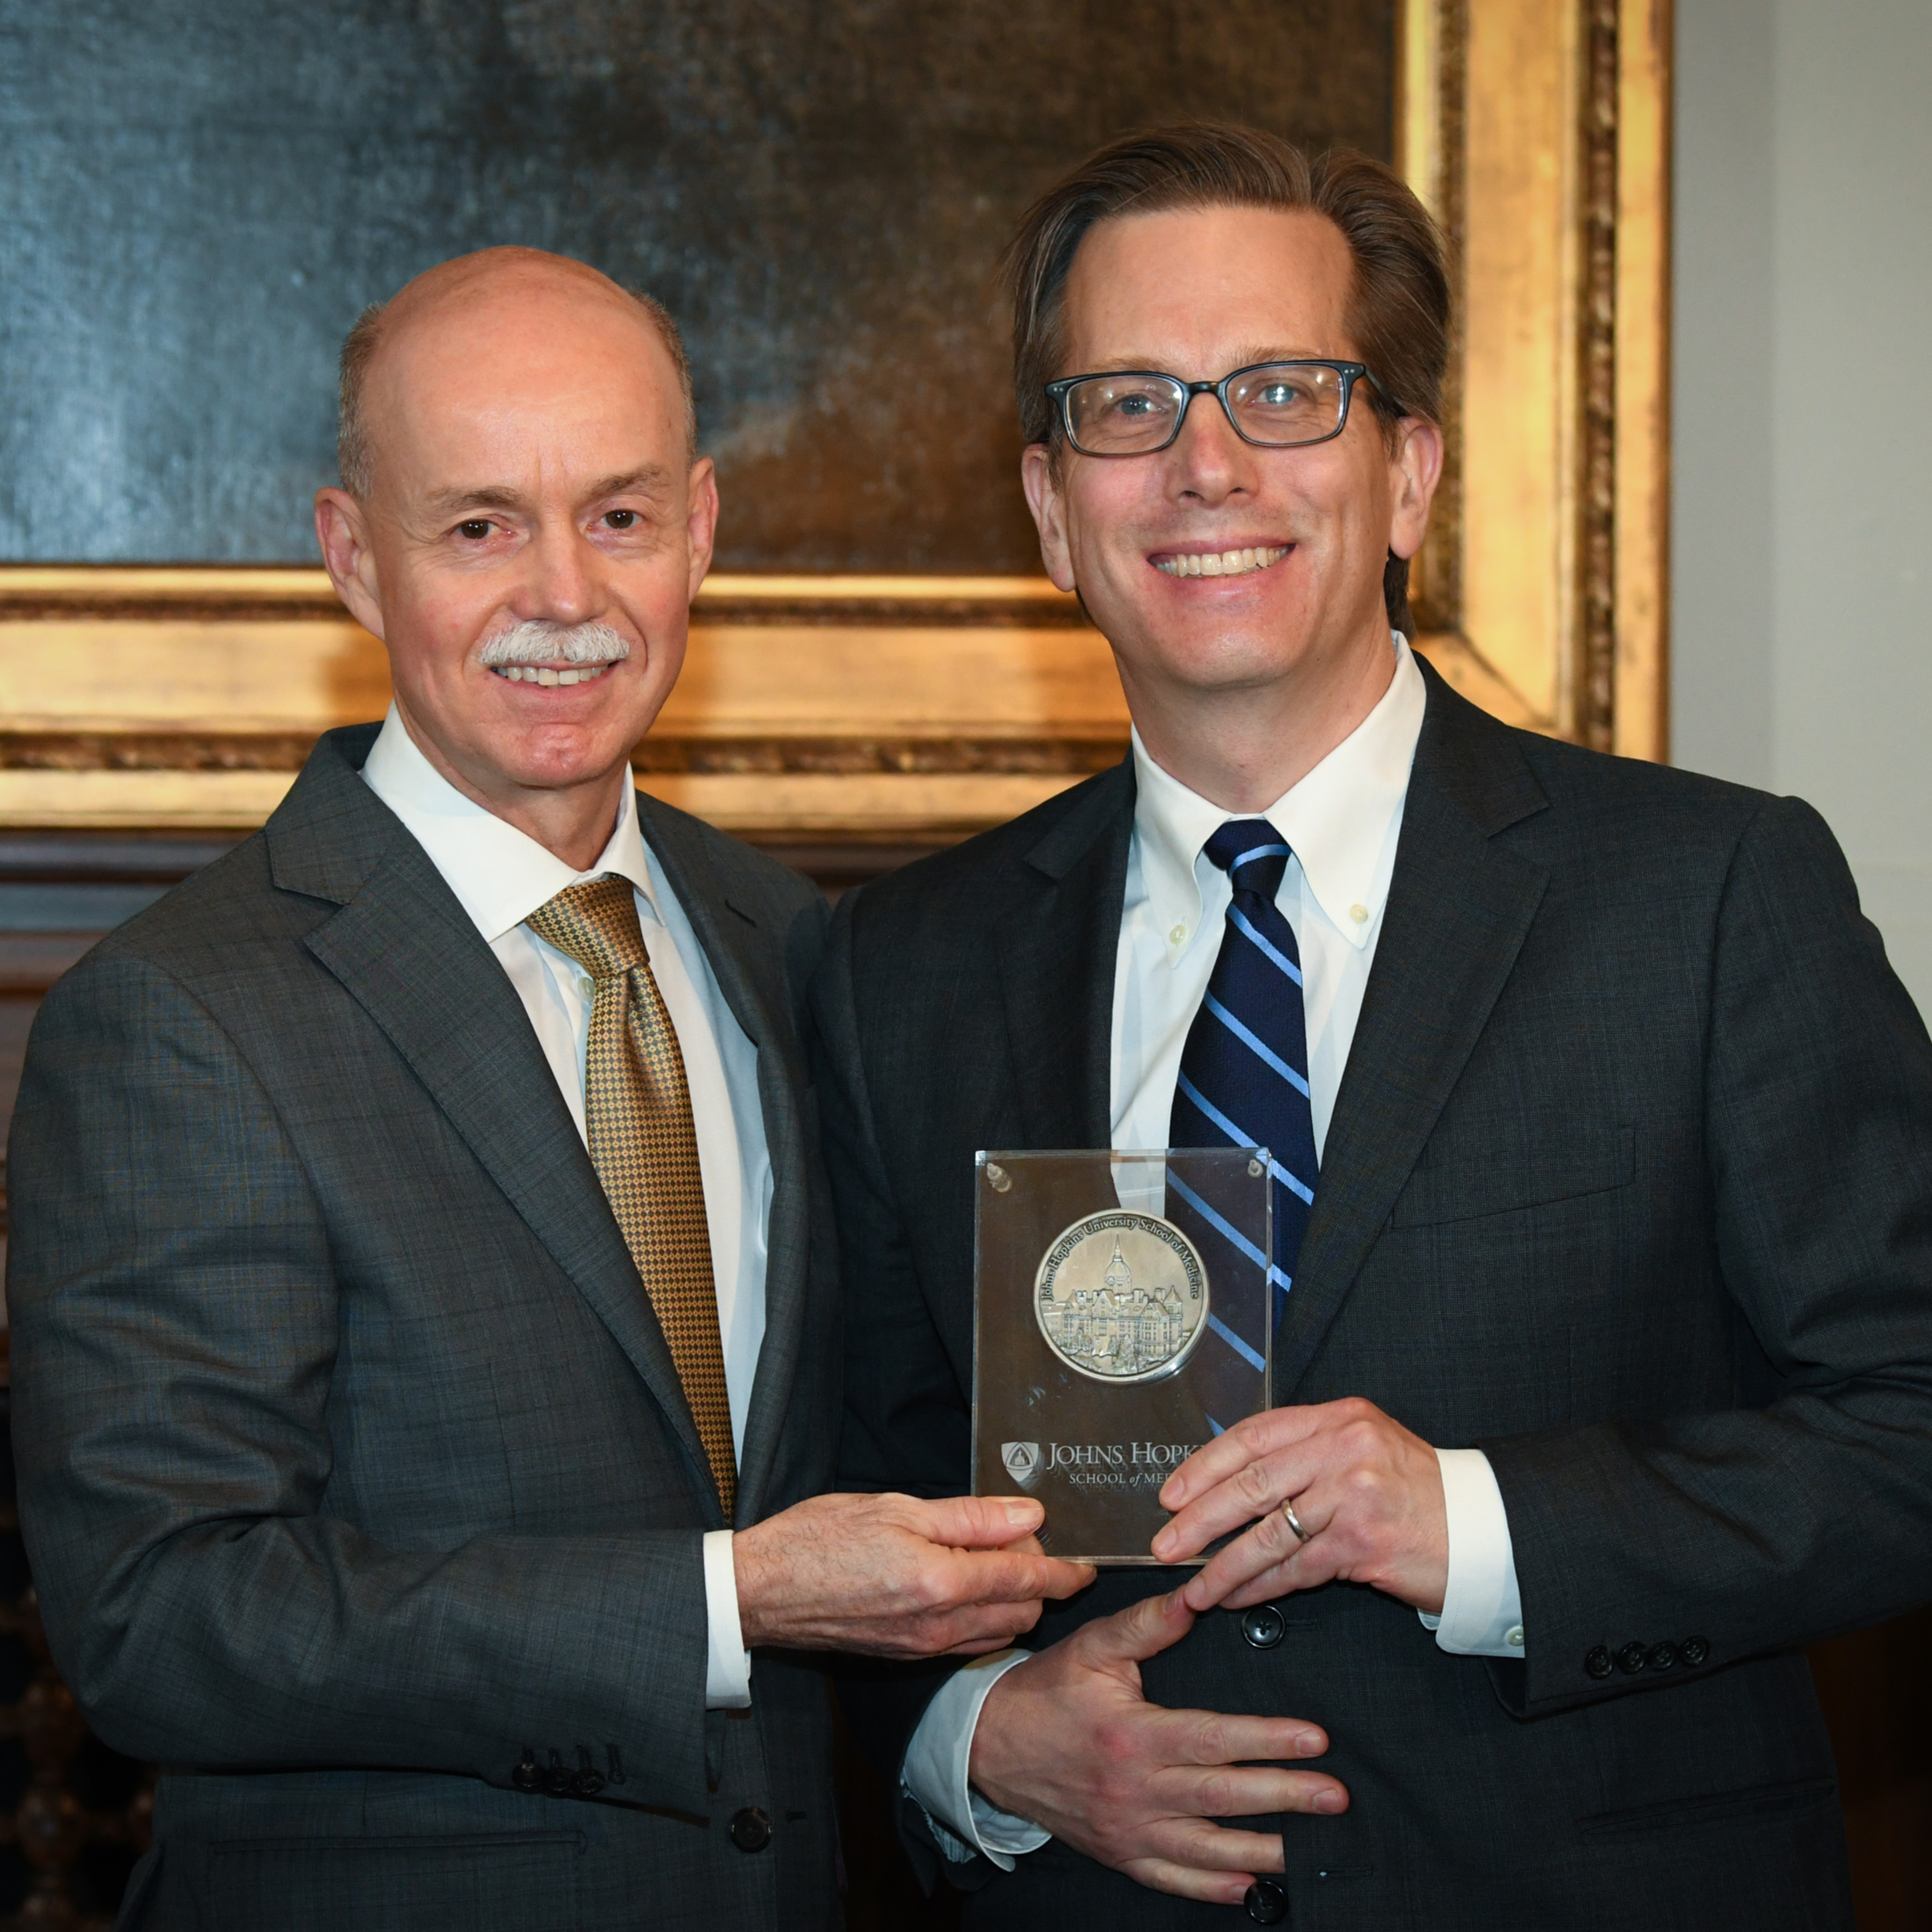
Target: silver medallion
{"x":1122,"y":1297}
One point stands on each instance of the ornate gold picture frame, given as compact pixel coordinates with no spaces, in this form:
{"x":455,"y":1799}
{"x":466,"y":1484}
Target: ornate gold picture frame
{"x":902,"y":711}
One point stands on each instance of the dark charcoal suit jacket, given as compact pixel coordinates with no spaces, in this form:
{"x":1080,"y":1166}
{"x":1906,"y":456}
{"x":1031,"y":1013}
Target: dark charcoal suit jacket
{"x":1629,"y":1183}
{"x":353,"y":1464}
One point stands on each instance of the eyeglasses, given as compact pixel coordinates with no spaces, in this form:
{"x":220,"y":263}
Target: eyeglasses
{"x":1274,"y":405}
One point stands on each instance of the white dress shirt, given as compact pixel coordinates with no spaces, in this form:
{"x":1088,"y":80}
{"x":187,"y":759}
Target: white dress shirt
{"x":500,"y":876}
{"x":1343,"y":821}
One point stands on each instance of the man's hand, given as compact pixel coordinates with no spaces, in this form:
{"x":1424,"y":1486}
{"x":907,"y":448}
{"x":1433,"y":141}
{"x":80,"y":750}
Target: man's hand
{"x":892,"y":1576}
{"x":1368,"y":1493}
{"x":1069,"y":1741}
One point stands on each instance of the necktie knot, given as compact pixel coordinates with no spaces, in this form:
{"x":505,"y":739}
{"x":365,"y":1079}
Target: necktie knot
{"x":1252,"y":853}
{"x":595,"y":922}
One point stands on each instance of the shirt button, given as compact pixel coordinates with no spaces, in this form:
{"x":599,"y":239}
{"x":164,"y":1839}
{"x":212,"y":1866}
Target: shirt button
{"x":1358,"y":913}
{"x":586,"y":987}
{"x":1512,"y":1636}
{"x":1177,"y":935}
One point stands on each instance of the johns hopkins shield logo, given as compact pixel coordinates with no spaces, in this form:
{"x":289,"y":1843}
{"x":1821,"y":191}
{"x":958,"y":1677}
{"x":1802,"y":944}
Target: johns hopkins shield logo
{"x":1022,"y":1461}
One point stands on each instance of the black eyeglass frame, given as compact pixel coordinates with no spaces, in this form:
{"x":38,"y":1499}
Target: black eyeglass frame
{"x":1350,"y":374}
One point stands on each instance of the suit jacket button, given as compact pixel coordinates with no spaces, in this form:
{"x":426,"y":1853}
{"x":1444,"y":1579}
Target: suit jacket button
{"x":586,"y":1784}
{"x":751,"y":1829}
{"x":1266,"y":1902}
{"x":1663,"y":1657}
{"x":1262,"y":1626}
{"x":1631,"y":1658}
{"x":528,"y":1776}
{"x":1598,"y":1663}
{"x":1694,"y":1650}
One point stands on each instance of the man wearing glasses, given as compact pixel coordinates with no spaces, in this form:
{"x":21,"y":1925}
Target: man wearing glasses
{"x":1602,"y":1136}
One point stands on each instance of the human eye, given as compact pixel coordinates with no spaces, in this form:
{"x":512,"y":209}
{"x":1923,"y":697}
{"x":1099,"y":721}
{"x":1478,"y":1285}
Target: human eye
{"x":1281,"y":390}
{"x":1134,"y":402}
{"x":475,"y":529}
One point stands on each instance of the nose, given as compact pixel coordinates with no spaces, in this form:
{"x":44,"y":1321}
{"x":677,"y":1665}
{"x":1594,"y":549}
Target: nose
{"x":563,"y":584}
{"x":1210,"y":462}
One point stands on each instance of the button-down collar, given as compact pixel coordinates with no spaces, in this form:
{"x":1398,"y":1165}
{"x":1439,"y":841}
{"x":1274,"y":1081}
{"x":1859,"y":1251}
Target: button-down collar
{"x":1336,"y":818}
{"x":500,"y":875}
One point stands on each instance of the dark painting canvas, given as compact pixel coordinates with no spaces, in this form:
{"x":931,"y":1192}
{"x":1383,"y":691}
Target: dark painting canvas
{"x":196,"y":202}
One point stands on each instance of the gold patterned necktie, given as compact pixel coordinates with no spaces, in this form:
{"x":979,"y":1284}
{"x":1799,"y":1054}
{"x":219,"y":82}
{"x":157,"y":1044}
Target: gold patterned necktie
{"x":644,"y":1144}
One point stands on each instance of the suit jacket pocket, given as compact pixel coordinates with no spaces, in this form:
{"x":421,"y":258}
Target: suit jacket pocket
{"x":1752,"y":1801}
{"x":478,"y":1882}
{"x":1582,"y":1159}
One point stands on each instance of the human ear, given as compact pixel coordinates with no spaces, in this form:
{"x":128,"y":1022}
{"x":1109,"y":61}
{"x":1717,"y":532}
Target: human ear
{"x":1415,"y":469}
{"x":701,"y":518}
{"x":342,"y":529}
{"x":1042,"y":485}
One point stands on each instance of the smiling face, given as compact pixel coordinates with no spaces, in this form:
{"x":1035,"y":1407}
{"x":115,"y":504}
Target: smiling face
{"x":1216,"y":569}
{"x":533,"y":532}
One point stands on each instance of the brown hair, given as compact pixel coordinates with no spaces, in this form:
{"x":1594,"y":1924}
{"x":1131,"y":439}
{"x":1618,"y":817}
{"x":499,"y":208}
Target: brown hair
{"x":1398,"y":307}
{"x":359,"y":345}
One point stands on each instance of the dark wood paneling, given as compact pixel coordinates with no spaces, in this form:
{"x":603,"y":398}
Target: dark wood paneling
{"x":1876,"y":1686}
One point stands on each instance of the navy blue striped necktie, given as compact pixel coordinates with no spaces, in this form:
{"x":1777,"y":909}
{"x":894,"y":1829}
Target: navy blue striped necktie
{"x":1244,"y":1070}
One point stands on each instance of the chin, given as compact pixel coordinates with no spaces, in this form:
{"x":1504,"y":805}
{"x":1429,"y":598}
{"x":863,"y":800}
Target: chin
{"x":551,"y":757}
{"x":1215,"y":658}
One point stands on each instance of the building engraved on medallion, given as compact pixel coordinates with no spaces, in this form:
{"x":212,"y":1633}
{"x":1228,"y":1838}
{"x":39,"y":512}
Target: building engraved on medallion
{"x":1122,"y":1297}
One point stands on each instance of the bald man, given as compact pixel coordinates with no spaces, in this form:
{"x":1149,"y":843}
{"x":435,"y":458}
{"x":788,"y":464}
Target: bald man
{"x":426,"y":1339}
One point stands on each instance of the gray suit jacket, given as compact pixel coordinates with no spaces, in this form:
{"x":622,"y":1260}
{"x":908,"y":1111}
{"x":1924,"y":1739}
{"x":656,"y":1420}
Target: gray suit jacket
{"x":1629,"y":1183}
{"x":357,"y":1481}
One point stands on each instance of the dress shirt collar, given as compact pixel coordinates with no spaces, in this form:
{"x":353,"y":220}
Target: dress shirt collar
{"x":1336,"y":818}
{"x":500,"y":874}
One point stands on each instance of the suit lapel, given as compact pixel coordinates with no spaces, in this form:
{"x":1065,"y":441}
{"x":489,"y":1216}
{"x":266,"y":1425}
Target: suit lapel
{"x":403,"y":948}
{"x":1058,"y":953}
{"x":1459,"y":907}
{"x":743,"y":958}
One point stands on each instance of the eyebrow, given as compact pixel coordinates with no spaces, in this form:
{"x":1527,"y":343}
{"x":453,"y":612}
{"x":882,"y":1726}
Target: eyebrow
{"x":1244,"y":359}
{"x":646,"y":478}
{"x":481,"y":497}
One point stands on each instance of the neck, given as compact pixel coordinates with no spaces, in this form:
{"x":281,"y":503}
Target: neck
{"x":1242,"y":746}
{"x":573,"y":822}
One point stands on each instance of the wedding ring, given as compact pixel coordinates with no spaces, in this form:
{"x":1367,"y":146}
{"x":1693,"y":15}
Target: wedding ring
{"x":1294,"y":1521}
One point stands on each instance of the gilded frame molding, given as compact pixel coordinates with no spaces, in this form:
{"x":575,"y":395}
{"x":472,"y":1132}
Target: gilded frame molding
{"x":1537,"y":132}
{"x":882,"y":710}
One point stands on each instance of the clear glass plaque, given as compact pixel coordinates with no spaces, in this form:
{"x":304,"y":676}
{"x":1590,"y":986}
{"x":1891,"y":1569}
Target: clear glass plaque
{"x":1121,"y":1319}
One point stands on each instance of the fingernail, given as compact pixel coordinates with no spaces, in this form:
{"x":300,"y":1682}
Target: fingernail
{"x":1018,"y":1509}
{"x":1328,"y":1800}
{"x":1310,"y":1744}
{"x":1163,"y":1543}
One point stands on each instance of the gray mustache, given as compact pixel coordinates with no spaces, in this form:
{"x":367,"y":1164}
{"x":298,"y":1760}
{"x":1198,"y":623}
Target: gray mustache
{"x":537,"y":641}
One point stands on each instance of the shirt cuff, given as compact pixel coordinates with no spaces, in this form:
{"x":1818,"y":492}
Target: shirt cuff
{"x":938,"y":1762}
{"x":1482,"y":1606}
{"x":728,"y":1665}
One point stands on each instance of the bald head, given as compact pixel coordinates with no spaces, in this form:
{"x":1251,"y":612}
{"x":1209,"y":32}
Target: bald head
{"x":462,"y":293}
